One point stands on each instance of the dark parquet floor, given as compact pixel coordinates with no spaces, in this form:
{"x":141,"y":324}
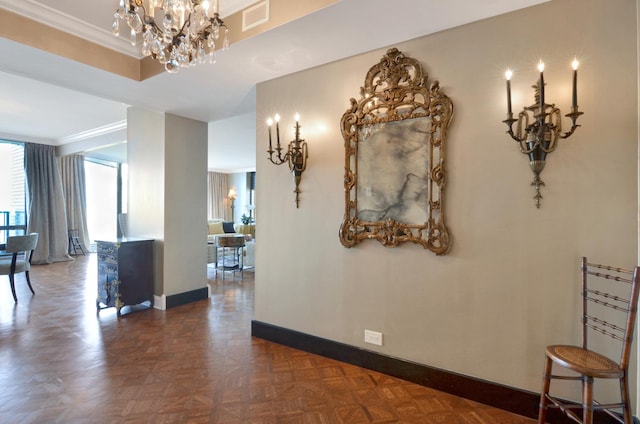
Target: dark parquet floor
{"x":62,"y":362}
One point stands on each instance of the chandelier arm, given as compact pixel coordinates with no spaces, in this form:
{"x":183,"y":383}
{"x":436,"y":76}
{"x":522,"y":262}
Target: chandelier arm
{"x":181,"y":31}
{"x":144,"y":11}
{"x":216,"y":20}
{"x":184,"y":24}
{"x":150,"y":21}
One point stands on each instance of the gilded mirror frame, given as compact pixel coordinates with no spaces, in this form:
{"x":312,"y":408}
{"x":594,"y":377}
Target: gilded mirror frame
{"x":398,"y":127}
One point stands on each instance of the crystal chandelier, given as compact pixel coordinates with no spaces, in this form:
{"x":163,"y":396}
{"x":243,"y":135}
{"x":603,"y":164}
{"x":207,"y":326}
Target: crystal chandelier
{"x":177,"y":33}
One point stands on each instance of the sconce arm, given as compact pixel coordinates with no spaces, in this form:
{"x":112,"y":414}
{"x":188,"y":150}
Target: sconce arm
{"x":279,"y":158}
{"x":509,"y":122}
{"x":526,"y":150}
{"x":298,"y":157}
{"x":574,"y":115}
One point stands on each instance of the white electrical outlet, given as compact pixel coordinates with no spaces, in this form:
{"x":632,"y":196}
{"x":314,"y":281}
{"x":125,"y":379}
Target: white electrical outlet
{"x":373,"y":337}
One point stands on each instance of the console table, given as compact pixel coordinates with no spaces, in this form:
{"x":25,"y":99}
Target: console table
{"x":125,"y":273}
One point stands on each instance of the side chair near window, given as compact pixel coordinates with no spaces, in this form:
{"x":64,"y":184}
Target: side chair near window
{"x":609,"y":307}
{"x":21,"y":249}
{"x":74,"y":242}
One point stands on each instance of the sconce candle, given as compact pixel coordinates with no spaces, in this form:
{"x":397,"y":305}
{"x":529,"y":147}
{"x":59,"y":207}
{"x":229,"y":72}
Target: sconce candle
{"x":277,"y":118}
{"x":508,"y":75}
{"x":296,"y":155}
{"x":537,"y":134}
{"x":269,"y":123}
{"x":574,"y":102}
{"x":541,"y":85}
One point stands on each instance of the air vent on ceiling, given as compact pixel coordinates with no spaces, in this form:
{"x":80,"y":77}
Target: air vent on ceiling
{"x":255,"y":15}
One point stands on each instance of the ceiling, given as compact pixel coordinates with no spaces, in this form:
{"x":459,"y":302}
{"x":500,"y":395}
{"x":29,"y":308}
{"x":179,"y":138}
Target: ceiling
{"x":50,"y":99}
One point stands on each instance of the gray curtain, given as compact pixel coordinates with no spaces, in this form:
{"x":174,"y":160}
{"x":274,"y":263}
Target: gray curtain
{"x":46,"y":210}
{"x":218,"y":187}
{"x":74,"y":188}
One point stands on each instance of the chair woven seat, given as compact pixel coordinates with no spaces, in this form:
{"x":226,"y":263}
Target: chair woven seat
{"x":584,"y":361}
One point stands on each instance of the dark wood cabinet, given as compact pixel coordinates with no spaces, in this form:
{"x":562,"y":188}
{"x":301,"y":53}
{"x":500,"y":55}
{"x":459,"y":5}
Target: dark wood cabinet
{"x":125,"y":273}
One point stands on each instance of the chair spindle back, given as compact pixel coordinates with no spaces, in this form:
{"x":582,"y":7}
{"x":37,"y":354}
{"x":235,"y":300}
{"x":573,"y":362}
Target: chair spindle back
{"x":612,"y":299}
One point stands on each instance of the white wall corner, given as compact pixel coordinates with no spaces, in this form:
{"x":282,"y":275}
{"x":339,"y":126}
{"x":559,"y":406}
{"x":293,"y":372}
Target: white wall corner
{"x":160,"y":302}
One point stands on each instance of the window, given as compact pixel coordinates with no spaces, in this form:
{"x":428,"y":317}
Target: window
{"x":124,"y":188}
{"x":251,"y":177}
{"x":13,"y":216}
{"x":101,"y":179}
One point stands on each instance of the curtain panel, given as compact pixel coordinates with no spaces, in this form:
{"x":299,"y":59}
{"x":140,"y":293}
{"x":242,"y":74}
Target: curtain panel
{"x":46,"y":204}
{"x":217,"y":189}
{"x":74,"y":188}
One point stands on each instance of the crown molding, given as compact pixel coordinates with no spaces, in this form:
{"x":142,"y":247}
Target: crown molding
{"x":51,"y":17}
{"x":95,"y":132}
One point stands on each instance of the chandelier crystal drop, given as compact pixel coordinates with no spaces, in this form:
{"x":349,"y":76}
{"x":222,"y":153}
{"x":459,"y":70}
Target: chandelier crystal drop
{"x":177,"y":33}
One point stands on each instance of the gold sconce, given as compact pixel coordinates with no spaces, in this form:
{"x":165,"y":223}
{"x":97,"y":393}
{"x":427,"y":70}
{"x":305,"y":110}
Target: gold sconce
{"x":296,"y":154}
{"x":539,"y":125}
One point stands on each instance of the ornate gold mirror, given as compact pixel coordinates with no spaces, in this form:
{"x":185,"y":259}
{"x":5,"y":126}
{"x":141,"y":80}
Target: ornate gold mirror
{"x":395,"y":174}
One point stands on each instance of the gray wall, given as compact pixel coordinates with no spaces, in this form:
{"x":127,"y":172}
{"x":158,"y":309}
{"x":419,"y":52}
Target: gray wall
{"x":185,"y":204}
{"x":167,"y":157}
{"x":508,"y":287}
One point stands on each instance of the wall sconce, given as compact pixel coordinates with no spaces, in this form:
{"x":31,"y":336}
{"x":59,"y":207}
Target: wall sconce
{"x":539,"y":125}
{"x":296,"y":155}
{"x":232,"y":196}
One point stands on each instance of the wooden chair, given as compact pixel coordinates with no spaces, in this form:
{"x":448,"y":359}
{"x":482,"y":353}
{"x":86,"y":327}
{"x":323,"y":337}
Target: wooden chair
{"x":21,"y":249}
{"x":609,"y":306}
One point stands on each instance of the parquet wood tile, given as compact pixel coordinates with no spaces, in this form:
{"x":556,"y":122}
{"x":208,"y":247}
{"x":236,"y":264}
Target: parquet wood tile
{"x":61,"y":361}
